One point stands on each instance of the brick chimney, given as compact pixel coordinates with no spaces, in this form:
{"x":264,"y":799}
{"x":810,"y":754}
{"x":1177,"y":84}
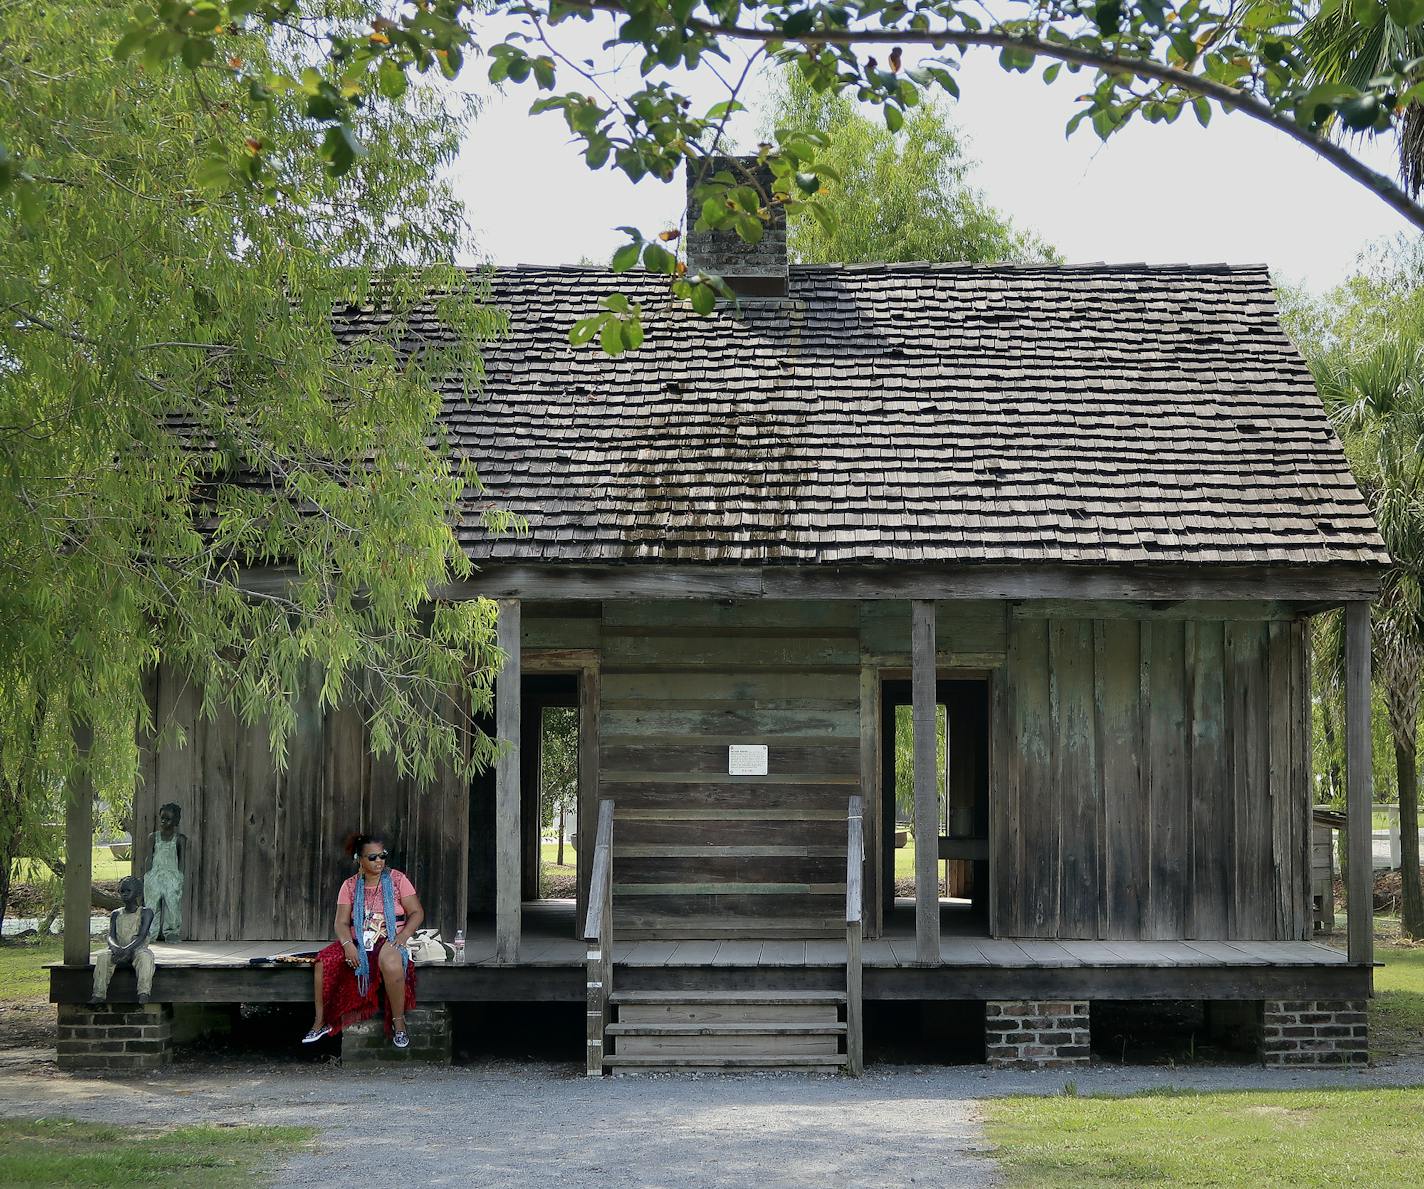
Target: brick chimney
{"x":752,"y":270}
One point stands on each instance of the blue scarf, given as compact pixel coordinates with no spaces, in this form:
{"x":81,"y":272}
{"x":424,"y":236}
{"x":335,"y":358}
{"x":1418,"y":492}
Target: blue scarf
{"x":388,"y":896}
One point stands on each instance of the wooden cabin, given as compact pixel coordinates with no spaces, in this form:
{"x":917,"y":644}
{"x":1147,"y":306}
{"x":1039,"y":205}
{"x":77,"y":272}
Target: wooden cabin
{"x":1081,"y":515}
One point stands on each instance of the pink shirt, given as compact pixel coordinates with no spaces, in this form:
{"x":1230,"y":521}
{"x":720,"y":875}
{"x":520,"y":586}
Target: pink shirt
{"x":375,"y":908}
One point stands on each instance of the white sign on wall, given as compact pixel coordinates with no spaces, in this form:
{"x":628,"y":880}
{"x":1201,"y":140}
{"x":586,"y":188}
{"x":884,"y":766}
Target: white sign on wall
{"x":746,"y":759}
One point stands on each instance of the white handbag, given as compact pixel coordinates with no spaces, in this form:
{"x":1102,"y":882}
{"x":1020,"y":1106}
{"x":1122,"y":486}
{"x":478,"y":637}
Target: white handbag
{"x":426,"y":947}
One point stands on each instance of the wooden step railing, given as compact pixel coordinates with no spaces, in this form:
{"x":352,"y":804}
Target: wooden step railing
{"x":855,"y":866}
{"x":598,"y":934}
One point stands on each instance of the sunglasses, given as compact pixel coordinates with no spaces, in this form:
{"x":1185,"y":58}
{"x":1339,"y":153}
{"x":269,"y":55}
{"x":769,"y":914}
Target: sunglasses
{"x":379,"y":856}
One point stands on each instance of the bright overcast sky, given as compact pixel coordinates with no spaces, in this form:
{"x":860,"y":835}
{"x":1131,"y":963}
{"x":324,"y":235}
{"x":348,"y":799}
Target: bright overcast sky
{"x":1236,"y":192}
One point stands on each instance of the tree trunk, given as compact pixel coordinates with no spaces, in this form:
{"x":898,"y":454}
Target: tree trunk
{"x":1402,"y":661}
{"x":1334,"y":777}
{"x":6,"y":860}
{"x":1407,"y":771}
{"x":563,"y":807}
{"x":98,"y":898}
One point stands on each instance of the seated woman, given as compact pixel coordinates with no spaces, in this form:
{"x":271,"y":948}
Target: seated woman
{"x":376,"y":906}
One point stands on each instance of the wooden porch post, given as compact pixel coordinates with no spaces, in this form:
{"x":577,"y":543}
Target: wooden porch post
{"x":78,"y":850}
{"x":1359,"y":783}
{"x":922,"y":688}
{"x":506,"y":789}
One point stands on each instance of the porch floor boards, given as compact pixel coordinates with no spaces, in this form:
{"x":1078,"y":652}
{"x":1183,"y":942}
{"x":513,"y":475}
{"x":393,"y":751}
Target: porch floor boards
{"x":548,"y":941}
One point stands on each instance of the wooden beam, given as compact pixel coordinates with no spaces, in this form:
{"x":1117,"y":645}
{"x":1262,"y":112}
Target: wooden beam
{"x":1161,"y":609}
{"x":506,"y":788}
{"x":922,"y":681}
{"x":1318,"y":585}
{"x":1359,"y":783}
{"x":78,"y":849}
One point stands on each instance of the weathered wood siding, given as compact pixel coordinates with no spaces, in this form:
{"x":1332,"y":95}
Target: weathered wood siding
{"x":698,"y":852}
{"x":264,"y":859}
{"x":1151,"y":779}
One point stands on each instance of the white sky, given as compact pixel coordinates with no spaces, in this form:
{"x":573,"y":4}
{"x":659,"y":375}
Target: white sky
{"x":1236,"y":192}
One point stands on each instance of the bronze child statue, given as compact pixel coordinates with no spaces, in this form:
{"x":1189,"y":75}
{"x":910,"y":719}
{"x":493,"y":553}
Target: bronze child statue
{"x":163,"y":881}
{"x":127,"y":943}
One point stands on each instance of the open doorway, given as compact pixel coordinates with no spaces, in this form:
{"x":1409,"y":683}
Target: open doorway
{"x":962,"y":783}
{"x":550,"y":729}
{"x":549,"y":738}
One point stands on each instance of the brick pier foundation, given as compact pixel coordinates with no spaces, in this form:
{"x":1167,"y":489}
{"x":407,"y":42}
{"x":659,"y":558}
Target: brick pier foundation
{"x":430,"y":1039}
{"x":1315,"y":1032}
{"x":116,"y":1037}
{"x":1046,"y":1032}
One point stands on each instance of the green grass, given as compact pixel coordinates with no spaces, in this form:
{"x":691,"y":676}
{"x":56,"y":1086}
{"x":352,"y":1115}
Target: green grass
{"x":1324,"y":1137}
{"x":23,"y":978}
{"x":66,"y":1152}
{"x":549,"y":851}
{"x":1397,"y":1010}
{"x":105,"y":867}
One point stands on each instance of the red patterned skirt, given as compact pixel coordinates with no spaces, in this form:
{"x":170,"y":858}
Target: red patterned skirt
{"x":342,"y":1002}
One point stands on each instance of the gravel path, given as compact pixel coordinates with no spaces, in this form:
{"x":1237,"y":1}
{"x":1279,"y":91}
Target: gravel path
{"x":517,"y":1124}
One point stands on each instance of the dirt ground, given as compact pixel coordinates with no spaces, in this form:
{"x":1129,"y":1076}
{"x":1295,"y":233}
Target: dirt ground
{"x":503,"y":1122}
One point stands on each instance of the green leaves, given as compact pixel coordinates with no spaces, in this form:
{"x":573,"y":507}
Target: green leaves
{"x":153,"y":279}
{"x":658,"y":259}
{"x":618,"y":327}
{"x":1406,"y":13}
{"x":340,"y":148}
{"x":626,"y":256}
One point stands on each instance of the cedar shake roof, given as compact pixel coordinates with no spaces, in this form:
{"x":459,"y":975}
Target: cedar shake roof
{"x":913,"y":413}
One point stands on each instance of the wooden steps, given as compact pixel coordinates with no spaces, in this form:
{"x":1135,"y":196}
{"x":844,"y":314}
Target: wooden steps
{"x":726,"y":1030}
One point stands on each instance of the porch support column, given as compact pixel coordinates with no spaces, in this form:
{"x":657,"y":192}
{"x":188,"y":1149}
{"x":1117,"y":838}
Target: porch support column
{"x":78,"y":850}
{"x":506,"y":789}
{"x":922,"y":685}
{"x":1359,"y":783}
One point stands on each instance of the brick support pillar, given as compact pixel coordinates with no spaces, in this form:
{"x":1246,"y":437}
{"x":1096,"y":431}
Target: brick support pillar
{"x":1315,"y":1032}
{"x":1042,"y":1032}
{"x":117,"y":1038}
{"x":366,"y":1043}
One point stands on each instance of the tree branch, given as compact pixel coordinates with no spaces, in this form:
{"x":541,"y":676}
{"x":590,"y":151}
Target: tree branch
{"x":1230,"y":98}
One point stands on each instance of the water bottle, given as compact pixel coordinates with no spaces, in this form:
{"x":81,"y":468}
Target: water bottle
{"x":459,"y":946}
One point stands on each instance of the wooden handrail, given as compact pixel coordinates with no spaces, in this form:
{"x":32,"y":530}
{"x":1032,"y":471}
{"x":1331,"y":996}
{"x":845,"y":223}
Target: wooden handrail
{"x":855,"y":867}
{"x":598,"y":934}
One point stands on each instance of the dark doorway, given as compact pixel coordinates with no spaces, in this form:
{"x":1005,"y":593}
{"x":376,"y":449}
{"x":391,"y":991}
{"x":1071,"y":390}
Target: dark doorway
{"x":963,"y":727}
{"x":548,"y":711}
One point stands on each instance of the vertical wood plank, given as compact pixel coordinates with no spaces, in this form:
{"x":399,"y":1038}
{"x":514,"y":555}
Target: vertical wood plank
{"x":1035,"y":855}
{"x":180,"y":769}
{"x":922,"y":642}
{"x":1359,"y":782}
{"x":305,"y":835}
{"x":1075,"y":774}
{"x":1124,"y":812}
{"x":146,"y":802}
{"x":586,"y":815}
{"x":1004,"y":772}
{"x":1302,"y":780}
{"x":256,"y":780}
{"x":358,"y":792}
{"x":78,"y":849}
{"x":1282,"y":806}
{"x":1168,"y":779}
{"x":1253,"y":905}
{"x":1211,"y":821}
{"x":210,"y":913}
{"x":507,"y":792}
{"x":870,"y":794}
{"x":451,"y":832}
